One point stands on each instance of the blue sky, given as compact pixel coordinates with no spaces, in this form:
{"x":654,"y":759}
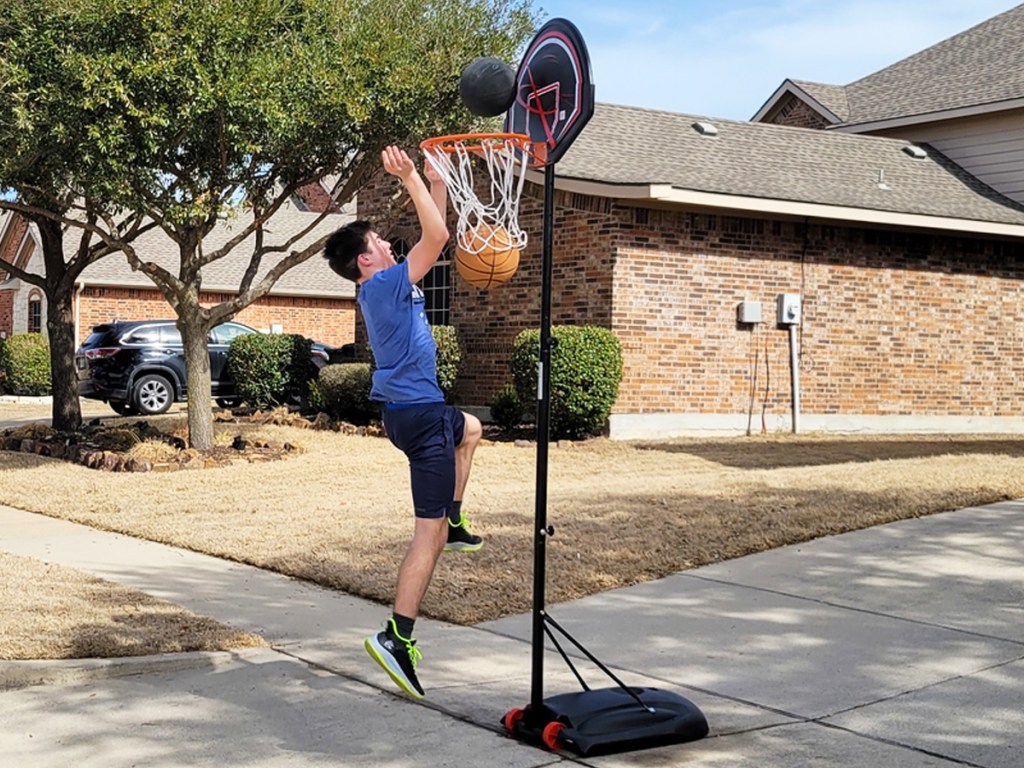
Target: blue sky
{"x":725,"y":58}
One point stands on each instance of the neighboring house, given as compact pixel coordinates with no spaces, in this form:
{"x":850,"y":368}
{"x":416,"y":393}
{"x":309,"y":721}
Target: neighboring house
{"x":309,"y":299}
{"x":906,"y":249}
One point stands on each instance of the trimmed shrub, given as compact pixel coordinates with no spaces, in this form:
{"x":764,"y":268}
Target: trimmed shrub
{"x":586,"y":369}
{"x":343,"y":393}
{"x":270,"y":369}
{"x":25,"y":361}
{"x":507,"y":408}
{"x":449,"y":357}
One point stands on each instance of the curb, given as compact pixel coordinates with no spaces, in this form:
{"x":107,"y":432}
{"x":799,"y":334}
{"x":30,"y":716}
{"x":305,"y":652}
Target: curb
{"x":44,"y":400}
{"x":26,"y":674}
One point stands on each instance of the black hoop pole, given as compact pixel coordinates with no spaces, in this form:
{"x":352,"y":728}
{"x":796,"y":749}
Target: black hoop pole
{"x":543,"y":415}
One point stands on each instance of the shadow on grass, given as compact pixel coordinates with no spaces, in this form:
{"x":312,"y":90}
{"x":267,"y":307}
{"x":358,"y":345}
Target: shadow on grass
{"x":780,"y":452}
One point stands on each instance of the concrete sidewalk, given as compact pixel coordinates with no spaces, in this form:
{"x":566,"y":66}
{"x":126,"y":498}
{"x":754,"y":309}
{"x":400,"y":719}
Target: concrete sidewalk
{"x":901,"y":645}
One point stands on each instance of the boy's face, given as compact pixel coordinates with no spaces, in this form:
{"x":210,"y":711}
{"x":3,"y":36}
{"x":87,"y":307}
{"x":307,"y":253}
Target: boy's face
{"x":377,"y":255}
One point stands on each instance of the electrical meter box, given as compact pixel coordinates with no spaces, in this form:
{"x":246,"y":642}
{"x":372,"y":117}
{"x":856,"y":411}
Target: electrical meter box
{"x":787,"y":307}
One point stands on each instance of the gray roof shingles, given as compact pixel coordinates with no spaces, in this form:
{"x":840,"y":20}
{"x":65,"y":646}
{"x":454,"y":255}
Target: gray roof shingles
{"x":633,"y":146}
{"x":311,"y":278}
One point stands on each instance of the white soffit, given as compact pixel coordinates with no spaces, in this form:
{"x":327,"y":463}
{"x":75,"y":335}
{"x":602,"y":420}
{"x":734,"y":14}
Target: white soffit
{"x":665,"y":193}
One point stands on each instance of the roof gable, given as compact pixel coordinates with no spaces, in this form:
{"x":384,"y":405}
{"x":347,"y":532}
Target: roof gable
{"x":980,"y":69}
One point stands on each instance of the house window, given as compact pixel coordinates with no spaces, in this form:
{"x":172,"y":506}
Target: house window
{"x":35,"y":315}
{"x":436,"y":284}
{"x":436,"y":289}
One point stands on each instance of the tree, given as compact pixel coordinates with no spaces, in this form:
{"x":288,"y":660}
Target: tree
{"x":226,"y":108}
{"x":47,"y":147}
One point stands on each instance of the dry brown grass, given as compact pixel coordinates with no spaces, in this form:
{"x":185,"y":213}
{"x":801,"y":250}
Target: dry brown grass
{"x":338,"y":512}
{"x":52,"y":612}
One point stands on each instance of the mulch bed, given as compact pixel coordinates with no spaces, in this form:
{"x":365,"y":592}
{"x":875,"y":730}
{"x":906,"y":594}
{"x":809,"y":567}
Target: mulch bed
{"x":143,"y":447}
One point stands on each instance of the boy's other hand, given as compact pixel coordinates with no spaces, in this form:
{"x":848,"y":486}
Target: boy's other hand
{"x":397,"y":162}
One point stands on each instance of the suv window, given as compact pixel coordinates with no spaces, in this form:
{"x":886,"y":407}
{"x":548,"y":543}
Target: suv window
{"x":223,"y":334}
{"x":147,"y":334}
{"x":169,"y":334}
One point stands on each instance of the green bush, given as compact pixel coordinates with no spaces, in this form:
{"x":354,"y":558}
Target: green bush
{"x":25,"y":361}
{"x":343,"y":393}
{"x":507,"y":408}
{"x":449,"y":357}
{"x":586,"y":369}
{"x":270,"y":369}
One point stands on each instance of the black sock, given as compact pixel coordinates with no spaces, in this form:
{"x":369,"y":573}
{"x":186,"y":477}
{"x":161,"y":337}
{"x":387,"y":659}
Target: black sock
{"x":403,"y":625}
{"x":456,"y":513}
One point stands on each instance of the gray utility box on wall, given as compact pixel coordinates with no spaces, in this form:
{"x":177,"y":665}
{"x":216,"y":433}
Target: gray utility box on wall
{"x":787,"y":307}
{"x":748,"y":312}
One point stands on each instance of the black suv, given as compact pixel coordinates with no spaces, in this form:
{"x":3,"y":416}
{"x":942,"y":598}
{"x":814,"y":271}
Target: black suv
{"x":139,"y":366}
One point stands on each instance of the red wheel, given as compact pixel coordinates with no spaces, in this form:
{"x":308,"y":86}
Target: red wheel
{"x":551,"y":736}
{"x":512,"y":719}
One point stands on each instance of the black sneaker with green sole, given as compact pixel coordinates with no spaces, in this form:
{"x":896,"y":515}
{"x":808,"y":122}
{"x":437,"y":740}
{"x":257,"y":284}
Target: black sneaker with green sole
{"x":459,"y":537}
{"x":398,"y":656}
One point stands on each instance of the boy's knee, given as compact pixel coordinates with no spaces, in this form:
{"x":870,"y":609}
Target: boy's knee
{"x":474,"y":430}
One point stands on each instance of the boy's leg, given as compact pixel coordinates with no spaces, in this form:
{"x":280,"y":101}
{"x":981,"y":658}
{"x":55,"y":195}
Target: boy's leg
{"x":417,"y":567}
{"x":468,"y":431}
{"x":471,"y":434}
{"x":425,"y":436}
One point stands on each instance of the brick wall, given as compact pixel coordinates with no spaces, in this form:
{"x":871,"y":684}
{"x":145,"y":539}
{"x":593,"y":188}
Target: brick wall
{"x":794,"y":112}
{"x":316,"y":198}
{"x":894,"y":322}
{"x":6,"y":313}
{"x":331,"y":321}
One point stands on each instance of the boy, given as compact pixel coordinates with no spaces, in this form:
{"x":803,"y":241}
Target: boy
{"x":438,"y":440}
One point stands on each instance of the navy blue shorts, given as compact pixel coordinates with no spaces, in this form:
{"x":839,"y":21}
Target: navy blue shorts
{"x":428,"y":435}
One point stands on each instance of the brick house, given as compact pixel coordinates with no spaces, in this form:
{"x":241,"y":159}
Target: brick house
{"x":892,"y":207}
{"x":309,"y":299}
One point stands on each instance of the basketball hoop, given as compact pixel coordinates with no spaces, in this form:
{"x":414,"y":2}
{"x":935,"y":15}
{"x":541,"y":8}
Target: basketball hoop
{"x":486,"y":219}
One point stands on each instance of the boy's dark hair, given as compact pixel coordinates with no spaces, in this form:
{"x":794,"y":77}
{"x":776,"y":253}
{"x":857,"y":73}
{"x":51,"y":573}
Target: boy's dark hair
{"x":343,"y":249}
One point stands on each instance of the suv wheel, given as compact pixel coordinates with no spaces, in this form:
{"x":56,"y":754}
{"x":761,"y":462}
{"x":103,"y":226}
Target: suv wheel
{"x":229,"y":402}
{"x":152,"y":395}
{"x":123,"y":407}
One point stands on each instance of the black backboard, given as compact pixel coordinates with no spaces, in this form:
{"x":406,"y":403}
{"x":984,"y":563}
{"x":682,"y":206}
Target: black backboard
{"x":554,"y":92}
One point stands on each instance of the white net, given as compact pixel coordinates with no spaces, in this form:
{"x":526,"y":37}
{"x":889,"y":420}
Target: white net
{"x":487,"y":209}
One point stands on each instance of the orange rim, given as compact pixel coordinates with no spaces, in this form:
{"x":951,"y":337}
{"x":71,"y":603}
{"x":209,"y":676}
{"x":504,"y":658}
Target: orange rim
{"x":474,"y":142}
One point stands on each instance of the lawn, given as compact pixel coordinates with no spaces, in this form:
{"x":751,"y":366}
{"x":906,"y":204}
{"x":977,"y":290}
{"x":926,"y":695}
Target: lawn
{"x":337,"y":512}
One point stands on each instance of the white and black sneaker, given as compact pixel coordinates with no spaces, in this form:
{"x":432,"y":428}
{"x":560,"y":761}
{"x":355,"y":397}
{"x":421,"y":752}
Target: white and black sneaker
{"x":459,"y":537}
{"x":398,"y":656}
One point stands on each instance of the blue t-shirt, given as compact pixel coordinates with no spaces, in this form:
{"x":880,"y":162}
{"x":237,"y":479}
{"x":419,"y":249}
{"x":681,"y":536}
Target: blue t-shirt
{"x":396,"y":322}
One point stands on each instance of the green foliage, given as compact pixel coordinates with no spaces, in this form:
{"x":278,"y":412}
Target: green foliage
{"x":25,"y":360}
{"x":300,"y":370}
{"x":586,"y":369}
{"x":343,"y":393}
{"x":177,"y":105}
{"x":507,"y":408}
{"x":449,"y":357}
{"x":270,"y":369}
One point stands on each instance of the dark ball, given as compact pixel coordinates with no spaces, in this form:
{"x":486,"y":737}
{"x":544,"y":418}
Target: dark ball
{"x":487,"y":86}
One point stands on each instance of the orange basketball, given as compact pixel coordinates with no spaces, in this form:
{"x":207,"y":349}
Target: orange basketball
{"x":494,"y":262}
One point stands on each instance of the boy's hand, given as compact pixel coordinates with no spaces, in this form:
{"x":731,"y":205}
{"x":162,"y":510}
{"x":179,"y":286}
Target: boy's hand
{"x":397,"y":162}
{"x":431,"y":174}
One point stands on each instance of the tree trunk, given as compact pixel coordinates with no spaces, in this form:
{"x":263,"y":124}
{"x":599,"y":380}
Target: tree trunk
{"x":195,"y":337}
{"x":60,"y":325}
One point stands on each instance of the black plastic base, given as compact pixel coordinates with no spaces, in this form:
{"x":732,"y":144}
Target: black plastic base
{"x":610,"y":720}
